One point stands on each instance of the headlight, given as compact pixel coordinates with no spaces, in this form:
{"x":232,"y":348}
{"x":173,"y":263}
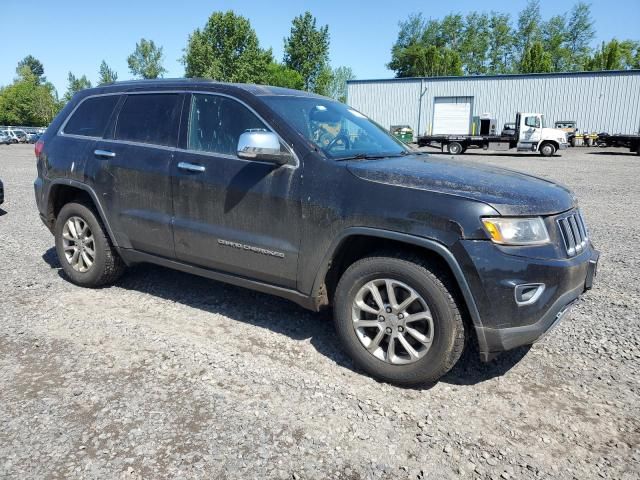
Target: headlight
{"x":516,"y":231}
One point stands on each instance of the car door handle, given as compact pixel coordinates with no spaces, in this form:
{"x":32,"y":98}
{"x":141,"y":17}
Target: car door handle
{"x":192,"y":167}
{"x":104,"y":153}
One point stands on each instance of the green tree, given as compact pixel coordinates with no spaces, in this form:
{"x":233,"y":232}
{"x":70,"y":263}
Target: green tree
{"x":27,"y":101}
{"x":306,"y":51}
{"x":279,"y":75}
{"x":630,"y":50}
{"x":529,"y":22}
{"x":554,"y":35}
{"x":106,"y":74}
{"x":500,"y":43}
{"x":426,"y":61}
{"x":475,"y":44}
{"x":481,"y":43}
{"x":451,"y":32}
{"x":579,"y":35}
{"x":411,"y":31}
{"x":75,"y":84}
{"x":615,"y":55}
{"x":425,"y":48}
{"x":35,"y":67}
{"x":535,"y":59}
{"x":338,"y":84}
{"x":227,"y":49}
{"x":146,"y":60}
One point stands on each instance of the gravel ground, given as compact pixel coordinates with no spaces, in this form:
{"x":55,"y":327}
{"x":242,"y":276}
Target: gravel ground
{"x":167,"y":375}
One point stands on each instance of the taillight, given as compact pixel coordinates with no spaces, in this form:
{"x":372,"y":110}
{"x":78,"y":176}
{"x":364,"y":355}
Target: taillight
{"x":38,"y":148}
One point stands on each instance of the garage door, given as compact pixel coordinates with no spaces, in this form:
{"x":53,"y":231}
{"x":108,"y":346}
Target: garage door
{"x":451,"y":115}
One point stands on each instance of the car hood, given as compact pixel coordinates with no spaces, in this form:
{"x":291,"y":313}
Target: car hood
{"x":507,"y":191}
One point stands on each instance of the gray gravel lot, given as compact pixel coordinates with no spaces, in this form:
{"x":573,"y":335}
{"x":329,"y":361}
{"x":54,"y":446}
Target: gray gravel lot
{"x":168,"y":375}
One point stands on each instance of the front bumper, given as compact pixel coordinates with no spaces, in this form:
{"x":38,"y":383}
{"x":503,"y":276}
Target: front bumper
{"x":563,"y":146}
{"x":492,"y":276}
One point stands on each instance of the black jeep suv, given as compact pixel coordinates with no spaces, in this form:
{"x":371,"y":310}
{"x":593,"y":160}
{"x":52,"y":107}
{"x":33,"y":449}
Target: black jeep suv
{"x":303,"y":197}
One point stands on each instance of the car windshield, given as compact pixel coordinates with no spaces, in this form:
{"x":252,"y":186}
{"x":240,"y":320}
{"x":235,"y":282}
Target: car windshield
{"x":337,"y":130}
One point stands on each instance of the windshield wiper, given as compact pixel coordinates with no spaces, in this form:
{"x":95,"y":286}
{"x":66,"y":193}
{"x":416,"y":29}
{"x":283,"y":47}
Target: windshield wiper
{"x":366,"y":156}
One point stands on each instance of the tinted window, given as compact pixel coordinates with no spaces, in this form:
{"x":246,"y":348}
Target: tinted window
{"x":92,"y":116}
{"x":148,"y":118}
{"x":216,"y":123}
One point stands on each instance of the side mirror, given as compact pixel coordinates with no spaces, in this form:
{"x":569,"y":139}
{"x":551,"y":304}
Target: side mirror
{"x":261,"y":145}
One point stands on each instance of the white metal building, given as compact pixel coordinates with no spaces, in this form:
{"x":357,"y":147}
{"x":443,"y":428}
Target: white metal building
{"x":598,"y":101}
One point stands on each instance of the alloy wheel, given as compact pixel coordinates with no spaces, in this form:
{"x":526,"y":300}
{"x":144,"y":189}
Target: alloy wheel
{"x":392,"y":321}
{"x":78,"y":244}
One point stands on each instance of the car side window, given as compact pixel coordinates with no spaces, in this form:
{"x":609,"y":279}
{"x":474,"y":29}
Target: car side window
{"x":216,"y":123}
{"x":91,"y":118}
{"x":532,"y":122}
{"x":148,"y":118}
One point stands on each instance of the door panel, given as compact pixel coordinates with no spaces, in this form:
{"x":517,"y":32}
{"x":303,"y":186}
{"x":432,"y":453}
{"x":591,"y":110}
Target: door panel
{"x":237,"y":216}
{"x":133,"y":169}
{"x":136,"y":187}
{"x":530,"y":131}
{"x":231,"y":214}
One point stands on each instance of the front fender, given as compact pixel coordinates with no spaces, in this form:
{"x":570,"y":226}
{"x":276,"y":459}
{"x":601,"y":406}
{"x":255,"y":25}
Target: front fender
{"x":428,"y":244}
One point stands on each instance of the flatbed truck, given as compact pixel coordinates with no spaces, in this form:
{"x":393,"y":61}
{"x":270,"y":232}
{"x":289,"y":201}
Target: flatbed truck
{"x":530,"y":136}
{"x":632,"y":142}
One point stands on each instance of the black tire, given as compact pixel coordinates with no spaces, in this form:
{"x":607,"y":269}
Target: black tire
{"x":455,"y":148}
{"x":547,"y":149}
{"x":107,"y":265}
{"x":434,"y":287}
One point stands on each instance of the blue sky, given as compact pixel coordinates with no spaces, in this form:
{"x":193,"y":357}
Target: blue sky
{"x":74,"y":35}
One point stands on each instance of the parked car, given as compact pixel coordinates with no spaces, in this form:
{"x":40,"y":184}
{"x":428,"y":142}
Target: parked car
{"x":33,"y":137}
{"x":13,"y":138}
{"x":21,"y":135}
{"x":416,"y":254}
{"x":509,"y":130}
{"x":5,"y":139}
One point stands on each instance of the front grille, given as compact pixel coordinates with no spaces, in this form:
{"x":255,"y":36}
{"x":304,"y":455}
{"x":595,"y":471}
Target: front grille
{"x":574,"y":233}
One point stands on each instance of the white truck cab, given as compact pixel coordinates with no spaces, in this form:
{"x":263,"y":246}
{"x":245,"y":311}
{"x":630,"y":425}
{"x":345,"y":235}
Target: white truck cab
{"x":534,"y":136}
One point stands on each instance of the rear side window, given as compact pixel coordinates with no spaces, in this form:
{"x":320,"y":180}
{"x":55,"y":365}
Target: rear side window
{"x":91,"y":118}
{"x":148,"y":118}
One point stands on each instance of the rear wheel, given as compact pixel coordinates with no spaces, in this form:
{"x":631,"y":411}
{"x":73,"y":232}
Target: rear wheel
{"x":454,"y":148}
{"x":398,"y":319}
{"x":85,"y":251}
{"x":547,"y":149}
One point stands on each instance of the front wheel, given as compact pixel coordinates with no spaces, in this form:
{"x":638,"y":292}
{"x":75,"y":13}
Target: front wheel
{"x":398,"y":319}
{"x":84,"y":248}
{"x":547,"y":150}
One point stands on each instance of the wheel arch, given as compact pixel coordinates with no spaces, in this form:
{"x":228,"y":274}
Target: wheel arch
{"x":64,"y":191}
{"x":555,"y":144}
{"x":357,"y":242}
